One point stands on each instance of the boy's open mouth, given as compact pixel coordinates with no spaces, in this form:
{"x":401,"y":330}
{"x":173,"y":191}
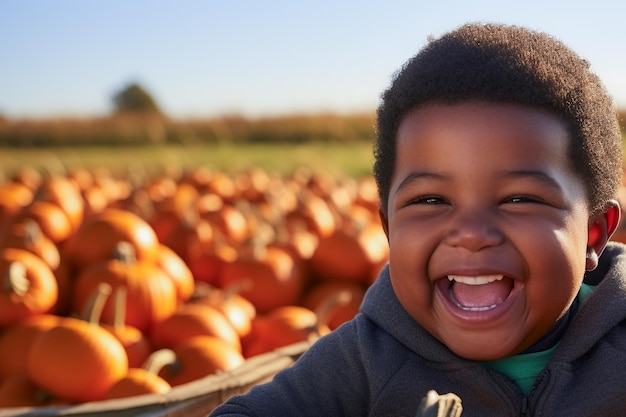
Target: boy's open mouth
{"x":479,"y":293}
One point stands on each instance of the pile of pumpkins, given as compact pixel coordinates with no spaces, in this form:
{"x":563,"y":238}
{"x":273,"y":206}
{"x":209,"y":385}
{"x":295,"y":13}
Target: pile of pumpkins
{"x":122,"y":285}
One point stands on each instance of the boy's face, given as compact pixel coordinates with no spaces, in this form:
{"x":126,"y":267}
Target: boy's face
{"x":487,"y":225}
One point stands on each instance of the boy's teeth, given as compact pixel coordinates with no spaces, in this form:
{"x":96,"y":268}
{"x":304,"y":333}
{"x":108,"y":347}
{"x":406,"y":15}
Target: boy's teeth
{"x":475,"y":280}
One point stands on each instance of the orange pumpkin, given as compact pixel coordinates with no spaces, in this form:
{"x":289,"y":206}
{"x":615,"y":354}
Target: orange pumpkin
{"x":98,"y":236}
{"x":151,"y":294}
{"x":28,"y":287}
{"x":252,"y":183}
{"x":13,"y":197}
{"x":95,"y":200}
{"x":206,"y":266}
{"x":194,"y":320}
{"x":29,"y":176}
{"x":78,"y":360}
{"x":316,"y":214}
{"x":182,"y":199}
{"x":82,"y":177}
{"x":282,"y":326}
{"x":322,"y":291}
{"x":239,"y":311}
{"x":273,"y":272}
{"x":178,"y":271}
{"x":366,"y":248}
{"x":50,"y":218}
{"x":162,"y":222}
{"x":16,"y":341}
{"x":191,"y":235}
{"x":144,"y":379}
{"x":367,"y":193}
{"x":63,"y":192}
{"x":201,"y":356}
{"x":219,"y":183}
{"x":137,"y":345}
{"x":27,"y":235}
{"x":287,"y":325}
{"x":138,"y":381}
{"x":230,"y":221}
{"x":20,"y":391}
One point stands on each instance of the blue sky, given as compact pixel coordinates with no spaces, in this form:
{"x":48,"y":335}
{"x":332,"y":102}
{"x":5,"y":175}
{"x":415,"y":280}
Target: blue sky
{"x":256,"y":58}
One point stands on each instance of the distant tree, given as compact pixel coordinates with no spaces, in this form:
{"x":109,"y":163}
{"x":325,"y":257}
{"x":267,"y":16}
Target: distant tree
{"x":134,"y":98}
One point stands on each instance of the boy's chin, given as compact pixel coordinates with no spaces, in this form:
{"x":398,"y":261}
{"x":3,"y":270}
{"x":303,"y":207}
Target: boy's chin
{"x":483,"y":348}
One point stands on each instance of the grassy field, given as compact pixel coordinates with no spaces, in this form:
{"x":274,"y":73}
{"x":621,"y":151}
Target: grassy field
{"x":354,"y":159}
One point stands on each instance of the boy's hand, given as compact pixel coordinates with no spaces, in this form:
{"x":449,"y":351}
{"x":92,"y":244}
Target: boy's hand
{"x":435,"y":405}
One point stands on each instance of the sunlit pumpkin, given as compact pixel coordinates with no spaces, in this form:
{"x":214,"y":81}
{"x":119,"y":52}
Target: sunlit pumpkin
{"x":78,"y":360}
{"x":97,"y":237}
{"x":282,"y":326}
{"x":287,"y":325}
{"x":238,"y":310}
{"x":178,"y":271}
{"x":206,"y":265}
{"x":316,"y":214}
{"x":63,"y":192}
{"x":151,"y":294}
{"x":219,"y":183}
{"x":273,"y":273}
{"x":189,"y":236}
{"x":20,"y":391}
{"x":366,"y":248}
{"x":194,"y":319}
{"x":51,"y":219}
{"x":16,"y":341}
{"x":13,"y":197}
{"x":144,"y":379}
{"x":230,"y":221}
{"x":28,"y":176}
{"x":201,"y":356}
{"x":27,"y":235}
{"x":137,"y":345}
{"x":27,"y":287}
{"x":138,"y":381}
{"x":342,"y":312}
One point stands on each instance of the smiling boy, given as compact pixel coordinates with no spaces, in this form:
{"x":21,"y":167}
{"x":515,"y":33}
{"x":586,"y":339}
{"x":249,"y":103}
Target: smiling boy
{"x":498,"y":159}
{"x":502,"y":223}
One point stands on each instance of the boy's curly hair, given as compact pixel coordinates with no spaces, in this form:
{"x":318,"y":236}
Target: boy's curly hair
{"x":508,"y":64}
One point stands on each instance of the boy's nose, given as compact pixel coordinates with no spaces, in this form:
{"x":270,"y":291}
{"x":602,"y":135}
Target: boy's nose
{"x":473,"y":230}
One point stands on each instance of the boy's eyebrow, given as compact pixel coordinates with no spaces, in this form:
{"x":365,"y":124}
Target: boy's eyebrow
{"x":414,"y":176}
{"x":537,"y":175}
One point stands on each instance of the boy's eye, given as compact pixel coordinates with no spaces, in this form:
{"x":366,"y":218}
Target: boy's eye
{"x":428,"y":200}
{"x":522,"y":199}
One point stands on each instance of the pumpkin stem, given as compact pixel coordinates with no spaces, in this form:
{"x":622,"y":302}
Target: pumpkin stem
{"x":15,"y":280}
{"x":327,"y":306}
{"x":160,"y":359}
{"x":125,"y":252}
{"x":237,"y":287}
{"x":201,"y":290}
{"x":32,"y":231}
{"x":119,"y":312}
{"x":95,"y":305}
{"x":259,"y":248}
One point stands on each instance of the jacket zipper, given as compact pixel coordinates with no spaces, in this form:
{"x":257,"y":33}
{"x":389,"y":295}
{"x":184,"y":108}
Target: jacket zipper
{"x":524,"y":407}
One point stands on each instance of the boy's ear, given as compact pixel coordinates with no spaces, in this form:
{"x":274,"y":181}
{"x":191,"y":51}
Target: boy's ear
{"x":601,"y":227}
{"x":384,"y":222}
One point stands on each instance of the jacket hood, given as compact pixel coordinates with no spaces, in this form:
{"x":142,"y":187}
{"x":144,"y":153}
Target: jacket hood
{"x":603,"y":310}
